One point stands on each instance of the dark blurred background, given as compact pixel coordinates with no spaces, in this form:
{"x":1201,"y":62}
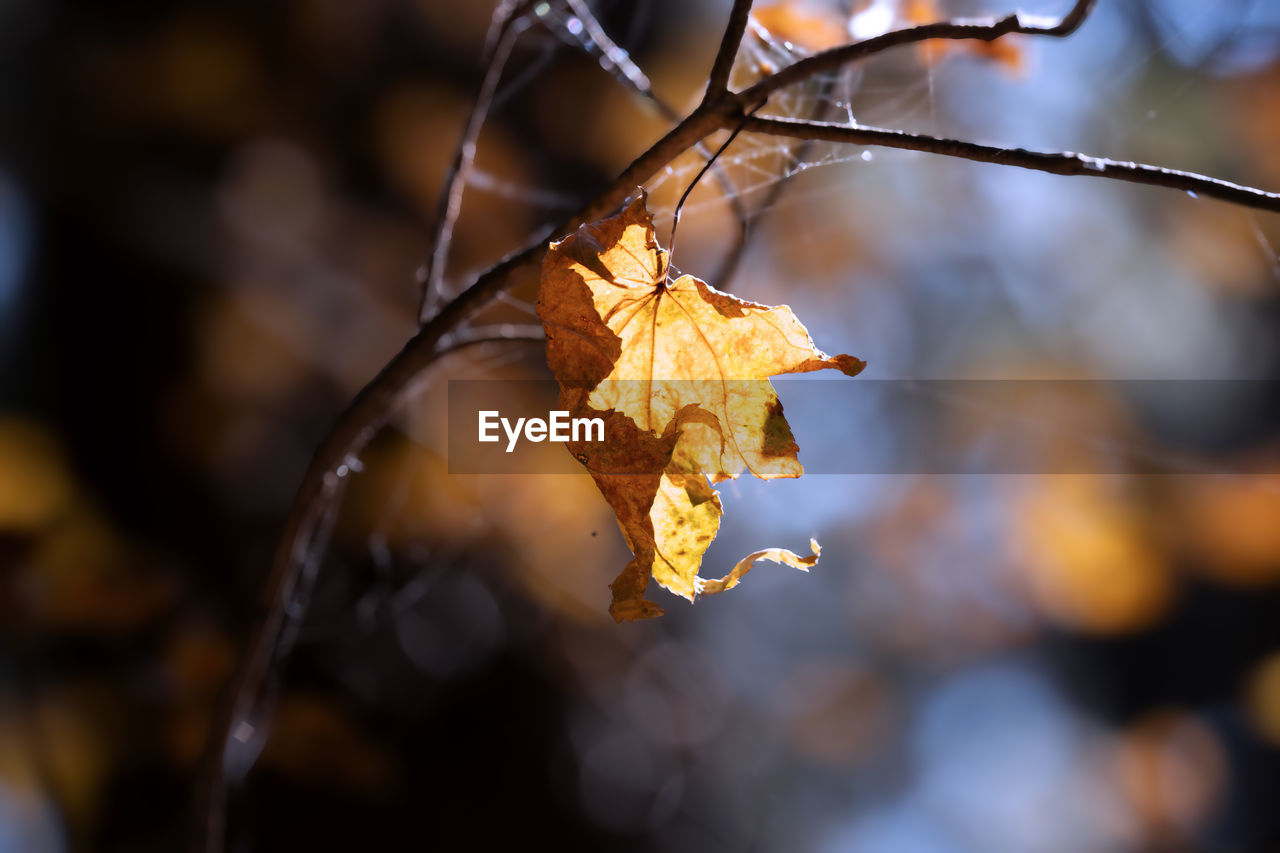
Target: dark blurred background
{"x":213,"y":220}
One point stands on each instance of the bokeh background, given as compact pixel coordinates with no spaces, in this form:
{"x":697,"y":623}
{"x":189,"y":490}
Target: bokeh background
{"x":213,"y":219}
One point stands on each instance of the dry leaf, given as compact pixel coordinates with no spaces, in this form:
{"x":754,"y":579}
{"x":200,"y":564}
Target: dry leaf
{"x":679,"y":372}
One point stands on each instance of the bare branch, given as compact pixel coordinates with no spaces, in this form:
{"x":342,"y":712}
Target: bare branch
{"x":497,"y":333}
{"x":718,"y":81}
{"x":307,"y":527}
{"x":982,"y":30}
{"x":306,"y":535}
{"x":614,"y":59}
{"x":504,"y":29}
{"x":1056,"y":163}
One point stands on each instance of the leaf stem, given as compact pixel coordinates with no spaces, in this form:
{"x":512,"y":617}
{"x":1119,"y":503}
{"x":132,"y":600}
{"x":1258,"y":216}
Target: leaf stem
{"x":675,"y":219}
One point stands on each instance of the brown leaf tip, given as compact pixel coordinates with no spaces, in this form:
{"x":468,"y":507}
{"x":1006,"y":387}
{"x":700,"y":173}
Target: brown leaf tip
{"x":848,"y":365}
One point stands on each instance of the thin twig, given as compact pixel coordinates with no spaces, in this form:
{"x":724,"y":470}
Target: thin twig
{"x":616,"y":60}
{"x":307,"y":531}
{"x":1055,"y":163}
{"x":718,"y":81}
{"x":981,"y":30}
{"x":492,"y":333}
{"x":675,"y":217}
{"x":612,"y":58}
{"x":504,"y":29}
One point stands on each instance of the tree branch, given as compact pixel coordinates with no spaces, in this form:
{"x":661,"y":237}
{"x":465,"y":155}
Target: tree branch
{"x":504,"y":29}
{"x":307,"y":531}
{"x":1055,"y":163}
{"x":983,"y":30}
{"x":617,"y":62}
{"x":718,"y":81}
{"x":323,"y":484}
{"x":490,"y":334}
{"x":612,"y":58}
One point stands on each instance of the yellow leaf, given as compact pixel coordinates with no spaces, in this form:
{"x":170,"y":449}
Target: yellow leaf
{"x":679,"y":372}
